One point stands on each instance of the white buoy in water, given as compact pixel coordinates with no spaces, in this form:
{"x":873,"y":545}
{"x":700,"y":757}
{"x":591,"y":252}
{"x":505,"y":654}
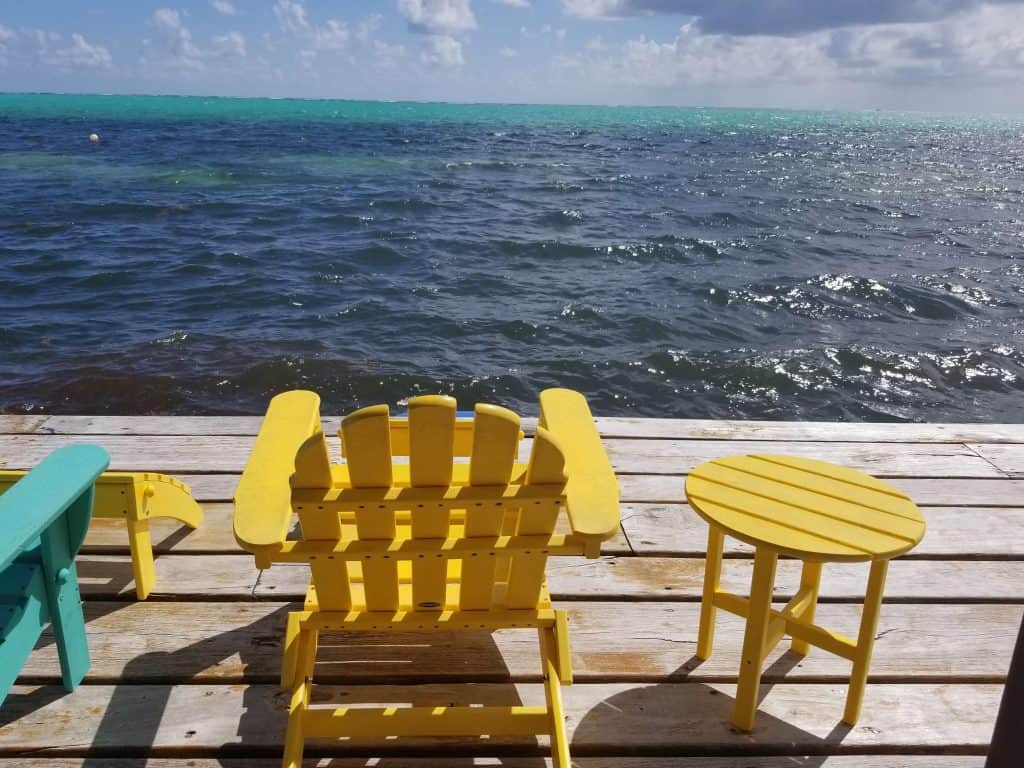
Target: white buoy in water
{"x":94,"y":137}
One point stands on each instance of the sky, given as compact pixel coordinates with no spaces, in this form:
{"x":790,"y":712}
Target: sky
{"x":932,"y":55}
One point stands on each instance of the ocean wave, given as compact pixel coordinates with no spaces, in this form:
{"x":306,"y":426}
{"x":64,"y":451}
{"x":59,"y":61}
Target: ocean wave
{"x":672,"y":263}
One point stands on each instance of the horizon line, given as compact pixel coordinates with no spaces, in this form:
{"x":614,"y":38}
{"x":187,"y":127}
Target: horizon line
{"x":836,"y":110}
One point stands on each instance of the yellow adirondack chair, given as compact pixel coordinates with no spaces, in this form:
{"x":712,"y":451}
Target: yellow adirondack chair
{"x":136,"y":498}
{"x":432,"y":543}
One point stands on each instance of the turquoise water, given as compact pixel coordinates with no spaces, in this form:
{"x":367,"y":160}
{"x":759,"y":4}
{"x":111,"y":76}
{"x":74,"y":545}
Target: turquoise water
{"x":209,"y":252}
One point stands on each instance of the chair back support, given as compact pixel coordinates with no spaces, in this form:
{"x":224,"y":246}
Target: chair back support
{"x":43,"y":521}
{"x":433,"y":478}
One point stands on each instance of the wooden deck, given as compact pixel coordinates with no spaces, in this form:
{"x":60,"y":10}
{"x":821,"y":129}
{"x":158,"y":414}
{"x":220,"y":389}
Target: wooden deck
{"x":188,"y":678}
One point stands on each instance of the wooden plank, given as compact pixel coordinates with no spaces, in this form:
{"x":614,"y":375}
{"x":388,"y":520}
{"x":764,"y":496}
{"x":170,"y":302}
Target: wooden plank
{"x":21,"y":423}
{"x":672,"y":529}
{"x":924,"y":491}
{"x":134,"y":425}
{"x":813,"y":431}
{"x":220,"y":577}
{"x":109,"y":536}
{"x":610,"y":427}
{"x":648,"y":642}
{"x":793,"y":761}
{"x":601,"y":718}
{"x":883,"y":460}
{"x":228,"y":453}
{"x":955,"y":532}
{"x":1009,"y":459}
{"x":669,"y":489}
{"x":169,"y":454}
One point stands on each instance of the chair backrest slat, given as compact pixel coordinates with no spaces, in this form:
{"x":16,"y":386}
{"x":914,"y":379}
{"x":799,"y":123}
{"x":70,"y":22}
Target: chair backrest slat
{"x":431,"y":456}
{"x":370,"y":467}
{"x":526,"y":572}
{"x":495,"y":446}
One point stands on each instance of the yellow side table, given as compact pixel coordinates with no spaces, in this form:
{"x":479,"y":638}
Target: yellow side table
{"x":815,"y":512}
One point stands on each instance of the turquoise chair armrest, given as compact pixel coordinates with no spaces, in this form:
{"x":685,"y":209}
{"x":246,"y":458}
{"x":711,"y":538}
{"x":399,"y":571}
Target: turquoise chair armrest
{"x":44,"y":494}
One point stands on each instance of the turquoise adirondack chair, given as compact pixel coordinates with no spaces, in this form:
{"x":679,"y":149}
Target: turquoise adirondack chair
{"x":43,"y":520}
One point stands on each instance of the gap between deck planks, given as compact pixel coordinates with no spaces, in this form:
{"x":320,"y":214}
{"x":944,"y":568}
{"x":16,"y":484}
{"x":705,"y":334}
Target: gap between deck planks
{"x":665,"y":529}
{"x":668,"y":489}
{"x":796,"y":761}
{"x":602,"y":719}
{"x":234,"y":577}
{"x":159,"y":642}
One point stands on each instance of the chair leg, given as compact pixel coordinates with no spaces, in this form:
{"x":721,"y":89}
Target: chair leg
{"x":712,"y":577}
{"x":865,"y":640}
{"x":305,"y":658}
{"x":290,"y":655}
{"x":810,"y":577}
{"x":553,"y":695}
{"x":65,"y":604}
{"x":141,"y":544}
{"x":761,"y":586}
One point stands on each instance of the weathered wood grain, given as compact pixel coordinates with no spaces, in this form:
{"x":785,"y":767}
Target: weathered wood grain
{"x":228,"y":453}
{"x":674,"y":529}
{"x":601,"y":718}
{"x":213,"y":536}
{"x":813,"y":431}
{"x":645,"y":642}
{"x":669,"y":489}
{"x":1009,"y":459}
{"x":954,"y":532}
{"x":936,"y":492}
{"x":20,"y":424}
{"x":794,"y":761}
{"x":881,"y":459}
{"x":609,"y":426}
{"x":220,"y":577}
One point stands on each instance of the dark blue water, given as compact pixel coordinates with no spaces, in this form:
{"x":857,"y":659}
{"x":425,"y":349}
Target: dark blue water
{"x":206,"y":254}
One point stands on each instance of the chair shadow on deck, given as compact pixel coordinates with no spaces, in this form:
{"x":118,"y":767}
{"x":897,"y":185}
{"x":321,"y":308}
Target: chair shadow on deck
{"x":349,"y":665}
{"x":701,"y":716}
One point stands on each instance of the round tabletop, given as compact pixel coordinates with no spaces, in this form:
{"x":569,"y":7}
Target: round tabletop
{"x":805,"y":508}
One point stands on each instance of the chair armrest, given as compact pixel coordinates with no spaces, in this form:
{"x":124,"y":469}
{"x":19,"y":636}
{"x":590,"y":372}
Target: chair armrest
{"x":44,"y":494}
{"x":290,"y":452}
{"x":592,"y":493}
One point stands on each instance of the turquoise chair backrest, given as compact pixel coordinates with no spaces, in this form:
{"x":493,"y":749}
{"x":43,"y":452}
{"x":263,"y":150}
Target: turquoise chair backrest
{"x":43,"y":521}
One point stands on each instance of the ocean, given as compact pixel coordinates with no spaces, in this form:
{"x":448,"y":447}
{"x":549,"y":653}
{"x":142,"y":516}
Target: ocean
{"x":206,"y":254}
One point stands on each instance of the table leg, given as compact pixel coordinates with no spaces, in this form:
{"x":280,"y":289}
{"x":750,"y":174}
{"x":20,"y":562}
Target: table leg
{"x":712,"y":578}
{"x":810,"y":578}
{"x":865,"y":640}
{"x":762,"y":584}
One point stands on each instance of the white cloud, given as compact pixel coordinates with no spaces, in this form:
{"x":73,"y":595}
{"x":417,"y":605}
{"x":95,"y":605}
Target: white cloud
{"x":6,"y":35}
{"x":175,"y":49}
{"x":82,"y":54}
{"x":595,"y":9}
{"x":368,"y":27}
{"x":443,"y":52}
{"x":388,"y":55}
{"x":229,"y":46}
{"x":332,"y":35}
{"x":176,"y":43}
{"x":438,"y":17}
{"x":515,"y":3}
{"x":508,"y":53}
{"x":224,"y":7}
{"x":291,"y":15}
{"x":981,"y":45}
